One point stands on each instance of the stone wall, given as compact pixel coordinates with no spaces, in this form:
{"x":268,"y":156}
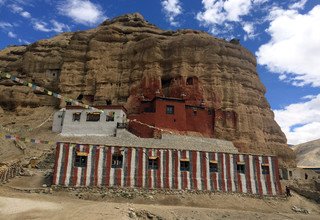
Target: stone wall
{"x":9,"y":170}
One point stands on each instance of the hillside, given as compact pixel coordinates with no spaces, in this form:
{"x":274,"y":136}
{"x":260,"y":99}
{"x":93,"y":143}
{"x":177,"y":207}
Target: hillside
{"x":308,"y":154}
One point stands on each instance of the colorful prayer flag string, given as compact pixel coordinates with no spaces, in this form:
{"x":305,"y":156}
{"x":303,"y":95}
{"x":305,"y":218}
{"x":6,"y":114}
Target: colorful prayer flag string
{"x":26,"y":140}
{"x":48,"y":92}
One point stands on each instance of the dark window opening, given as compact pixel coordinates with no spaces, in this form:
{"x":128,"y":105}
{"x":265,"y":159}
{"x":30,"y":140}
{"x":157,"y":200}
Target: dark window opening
{"x":165,"y":86}
{"x":265,"y":169}
{"x":80,"y":161}
{"x":153,"y":163}
{"x":305,"y":176}
{"x":165,"y":83}
{"x":190,"y":81}
{"x":241,"y":168}
{"x":170,"y":110}
{"x":108,"y":102}
{"x":80,"y":97}
{"x":290,"y":173}
{"x":110,"y":116}
{"x":184,"y":165}
{"x":117,"y":161}
{"x":95,"y":116}
{"x":194,"y":112}
{"x":76,"y":116}
{"x":149,"y":109}
{"x":88,"y":98}
{"x":213,"y":167}
{"x":210,"y":112}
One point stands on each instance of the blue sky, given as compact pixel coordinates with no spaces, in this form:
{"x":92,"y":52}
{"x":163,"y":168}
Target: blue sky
{"x":284,"y":36}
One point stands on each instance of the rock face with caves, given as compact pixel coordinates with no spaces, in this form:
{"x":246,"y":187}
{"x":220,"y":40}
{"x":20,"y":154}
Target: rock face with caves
{"x":127,"y":59}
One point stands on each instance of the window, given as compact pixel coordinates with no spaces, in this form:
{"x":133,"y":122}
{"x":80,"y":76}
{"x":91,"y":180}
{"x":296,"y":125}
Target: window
{"x":170,"y":109}
{"x":184,"y":165}
{"x":81,"y":159}
{"x":117,"y":161}
{"x":210,"y":112}
{"x":76,"y":116}
{"x":110,"y":116}
{"x":95,"y":116}
{"x":241,"y":168}
{"x":194,"y":111}
{"x":265,"y":168}
{"x":290,"y":173}
{"x":190,"y":81}
{"x":213,"y":166}
{"x":153,"y":163}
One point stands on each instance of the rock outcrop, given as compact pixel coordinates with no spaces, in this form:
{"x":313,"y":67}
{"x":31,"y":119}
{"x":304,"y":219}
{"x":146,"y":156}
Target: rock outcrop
{"x":127,"y":59}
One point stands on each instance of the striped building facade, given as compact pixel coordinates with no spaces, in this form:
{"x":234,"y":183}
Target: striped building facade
{"x":211,"y":171}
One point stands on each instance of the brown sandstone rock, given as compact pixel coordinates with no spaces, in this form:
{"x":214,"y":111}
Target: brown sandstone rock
{"x":127,"y":58}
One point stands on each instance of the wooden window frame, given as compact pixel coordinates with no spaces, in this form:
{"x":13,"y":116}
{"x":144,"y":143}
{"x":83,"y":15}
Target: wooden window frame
{"x":170,"y":109}
{"x":117,"y":161}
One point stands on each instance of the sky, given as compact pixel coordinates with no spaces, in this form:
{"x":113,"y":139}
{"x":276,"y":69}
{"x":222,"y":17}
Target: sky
{"x":283,"y":35}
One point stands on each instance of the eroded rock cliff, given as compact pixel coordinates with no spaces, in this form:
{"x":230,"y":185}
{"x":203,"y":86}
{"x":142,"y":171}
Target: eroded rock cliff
{"x":127,"y":59}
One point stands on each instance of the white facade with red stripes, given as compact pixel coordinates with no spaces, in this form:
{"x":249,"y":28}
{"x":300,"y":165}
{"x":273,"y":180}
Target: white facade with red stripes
{"x":260,"y":174}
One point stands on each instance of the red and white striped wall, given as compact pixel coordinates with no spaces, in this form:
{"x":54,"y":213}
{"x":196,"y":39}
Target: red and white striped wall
{"x":135,"y":172}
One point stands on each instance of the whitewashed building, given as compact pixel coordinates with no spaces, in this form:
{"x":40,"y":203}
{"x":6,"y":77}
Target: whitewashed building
{"x":77,"y":121}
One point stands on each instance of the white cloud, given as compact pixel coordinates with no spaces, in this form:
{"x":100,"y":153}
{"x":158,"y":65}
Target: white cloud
{"x":41,"y":26}
{"x":45,"y":27}
{"x":25,"y":14}
{"x":59,"y":27}
{"x":294,"y":48}
{"x":298,"y":5}
{"x":5,"y":25}
{"x":300,"y":121}
{"x":12,"y":35}
{"x":82,"y":11}
{"x":172,"y":8}
{"x":220,"y":11}
{"x":217,"y":14}
{"x":19,"y":10}
{"x":249,"y":29}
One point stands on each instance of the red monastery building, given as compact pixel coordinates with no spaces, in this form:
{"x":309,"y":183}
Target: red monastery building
{"x":172,"y":114}
{"x":177,"y":104}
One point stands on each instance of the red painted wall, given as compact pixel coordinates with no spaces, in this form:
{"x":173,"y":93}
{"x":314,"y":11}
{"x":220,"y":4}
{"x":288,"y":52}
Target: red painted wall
{"x":175,"y":121}
{"x":200,"y":120}
{"x":183,"y":118}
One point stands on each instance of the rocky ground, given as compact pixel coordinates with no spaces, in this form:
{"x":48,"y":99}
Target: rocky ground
{"x":29,"y":197}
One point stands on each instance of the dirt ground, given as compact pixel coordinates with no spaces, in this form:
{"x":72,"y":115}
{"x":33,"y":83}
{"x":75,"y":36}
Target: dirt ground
{"x":27,"y":198}
{"x":18,"y":205}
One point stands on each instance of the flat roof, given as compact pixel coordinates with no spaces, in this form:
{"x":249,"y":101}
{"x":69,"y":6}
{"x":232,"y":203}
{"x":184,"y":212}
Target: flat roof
{"x":98,"y":107}
{"x":168,"y":141}
{"x":165,"y":98}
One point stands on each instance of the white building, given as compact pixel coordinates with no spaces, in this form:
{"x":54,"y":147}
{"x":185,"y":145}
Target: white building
{"x":77,"y":121}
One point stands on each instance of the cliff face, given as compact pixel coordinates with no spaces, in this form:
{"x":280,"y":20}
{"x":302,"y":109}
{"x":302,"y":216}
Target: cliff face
{"x":127,"y":59}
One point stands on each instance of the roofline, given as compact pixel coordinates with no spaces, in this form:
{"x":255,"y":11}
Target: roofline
{"x":164,"y":98}
{"x":98,"y":107}
{"x":309,"y":167}
{"x":161,"y":148}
